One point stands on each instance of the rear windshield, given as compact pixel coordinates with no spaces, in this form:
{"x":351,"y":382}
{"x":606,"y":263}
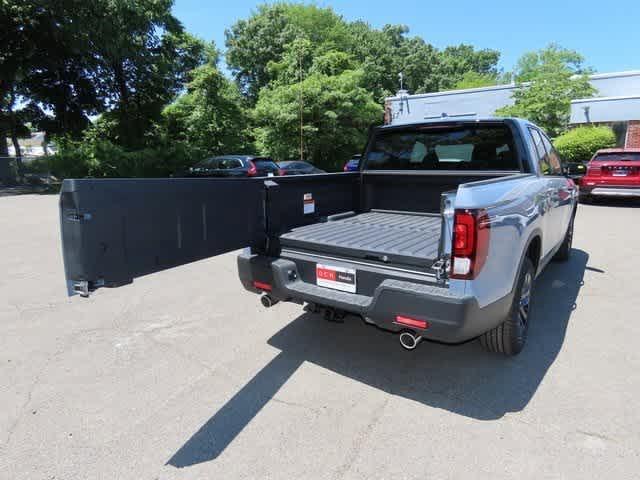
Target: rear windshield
{"x":468,"y":147}
{"x":617,"y":157}
{"x":265,"y":163}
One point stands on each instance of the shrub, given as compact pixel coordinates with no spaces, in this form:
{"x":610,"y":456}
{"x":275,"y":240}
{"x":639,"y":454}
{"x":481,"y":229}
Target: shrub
{"x":92,"y":157}
{"x":71,"y":160}
{"x":579,"y":144}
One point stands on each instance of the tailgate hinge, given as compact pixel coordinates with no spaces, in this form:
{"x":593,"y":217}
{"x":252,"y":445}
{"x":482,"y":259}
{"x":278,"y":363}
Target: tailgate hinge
{"x":84,"y":287}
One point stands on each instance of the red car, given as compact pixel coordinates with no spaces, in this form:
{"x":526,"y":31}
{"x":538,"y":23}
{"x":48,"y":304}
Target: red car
{"x":613,"y":172}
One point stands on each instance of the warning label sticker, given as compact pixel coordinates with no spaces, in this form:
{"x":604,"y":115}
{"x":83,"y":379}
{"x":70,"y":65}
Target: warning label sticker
{"x":309,"y":205}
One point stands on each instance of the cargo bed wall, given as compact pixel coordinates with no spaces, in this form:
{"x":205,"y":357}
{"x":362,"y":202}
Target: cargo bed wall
{"x":303,"y":200}
{"x":411,"y":191}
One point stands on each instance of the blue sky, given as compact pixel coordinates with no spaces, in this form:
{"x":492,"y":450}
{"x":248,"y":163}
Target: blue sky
{"x":607,"y":33}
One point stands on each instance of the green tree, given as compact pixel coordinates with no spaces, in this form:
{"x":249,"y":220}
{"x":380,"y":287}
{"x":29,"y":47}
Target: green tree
{"x":20,"y":27}
{"x":76,"y":58}
{"x":144,"y":57}
{"x":531,"y":63}
{"x":209,"y":116}
{"x":473,"y":79}
{"x":579,"y":144}
{"x":256,"y":46}
{"x":385,"y":53}
{"x":456,"y":61}
{"x":336,"y":112}
{"x":262,"y":39}
{"x":552,"y":85}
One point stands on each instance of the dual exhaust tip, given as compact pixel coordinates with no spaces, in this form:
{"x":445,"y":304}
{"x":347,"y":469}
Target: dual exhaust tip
{"x":409,"y":339}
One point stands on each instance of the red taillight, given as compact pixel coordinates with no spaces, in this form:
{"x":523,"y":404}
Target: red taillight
{"x":281,"y":172}
{"x":412,"y":322}
{"x":594,"y":170}
{"x":262,"y":285}
{"x":346,"y":167}
{"x":463,"y":234}
{"x":252,"y":169}
{"x":470,"y":243}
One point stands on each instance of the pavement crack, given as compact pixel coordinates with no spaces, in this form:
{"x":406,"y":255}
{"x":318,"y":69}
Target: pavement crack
{"x":27,"y":401}
{"x":596,"y":435}
{"x":295,"y":404}
{"x":358,"y":443}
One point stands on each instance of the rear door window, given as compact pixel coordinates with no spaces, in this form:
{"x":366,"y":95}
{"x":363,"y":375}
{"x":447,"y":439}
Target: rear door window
{"x":229,"y":163}
{"x":208,"y":163}
{"x":554,"y":159}
{"x":541,"y":152}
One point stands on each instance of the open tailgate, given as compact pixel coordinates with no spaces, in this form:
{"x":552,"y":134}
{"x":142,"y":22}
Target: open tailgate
{"x":114,"y":230}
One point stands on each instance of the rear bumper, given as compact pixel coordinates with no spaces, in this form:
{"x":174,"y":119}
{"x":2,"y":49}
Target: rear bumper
{"x":610,"y":191}
{"x":451,"y":318}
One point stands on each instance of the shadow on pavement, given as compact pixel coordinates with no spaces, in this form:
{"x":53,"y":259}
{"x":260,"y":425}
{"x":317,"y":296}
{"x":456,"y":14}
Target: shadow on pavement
{"x":462,"y":379}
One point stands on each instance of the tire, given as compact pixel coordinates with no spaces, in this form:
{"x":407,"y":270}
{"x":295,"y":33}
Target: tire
{"x":510,"y":336}
{"x":563,"y":254}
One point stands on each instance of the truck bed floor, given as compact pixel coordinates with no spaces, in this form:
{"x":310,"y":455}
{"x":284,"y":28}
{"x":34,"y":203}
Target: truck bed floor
{"x":405,"y":238}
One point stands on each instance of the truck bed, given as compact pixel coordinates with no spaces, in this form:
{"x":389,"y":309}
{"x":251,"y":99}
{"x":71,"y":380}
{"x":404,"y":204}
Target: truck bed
{"x":391,"y":237}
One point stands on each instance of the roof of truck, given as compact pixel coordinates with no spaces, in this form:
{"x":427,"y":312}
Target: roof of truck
{"x":454,"y":119}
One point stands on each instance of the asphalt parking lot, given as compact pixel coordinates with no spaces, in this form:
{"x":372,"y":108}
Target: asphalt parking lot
{"x":184,"y":375}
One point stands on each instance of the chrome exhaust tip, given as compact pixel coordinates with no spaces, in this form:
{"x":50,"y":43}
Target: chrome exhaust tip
{"x":409,"y":340}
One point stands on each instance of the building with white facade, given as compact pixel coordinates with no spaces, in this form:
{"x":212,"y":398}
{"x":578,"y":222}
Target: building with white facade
{"x":616,"y":103}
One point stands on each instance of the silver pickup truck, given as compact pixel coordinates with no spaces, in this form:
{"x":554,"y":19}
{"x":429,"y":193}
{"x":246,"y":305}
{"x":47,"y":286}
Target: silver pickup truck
{"x":440,"y":234}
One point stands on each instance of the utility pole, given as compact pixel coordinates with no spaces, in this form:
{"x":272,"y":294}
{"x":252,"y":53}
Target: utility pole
{"x":301,"y":107}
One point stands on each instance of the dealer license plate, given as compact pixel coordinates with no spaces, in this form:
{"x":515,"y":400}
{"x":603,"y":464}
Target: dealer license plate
{"x":338,"y":278}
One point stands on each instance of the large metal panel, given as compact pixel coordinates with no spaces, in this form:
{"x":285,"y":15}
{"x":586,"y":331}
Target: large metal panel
{"x":114,"y":230}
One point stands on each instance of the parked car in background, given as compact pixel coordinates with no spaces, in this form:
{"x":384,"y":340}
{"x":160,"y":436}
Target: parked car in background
{"x":234,"y":166}
{"x":353,"y":164}
{"x":613,"y":172}
{"x":298,"y":167}
{"x":576,"y":170}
